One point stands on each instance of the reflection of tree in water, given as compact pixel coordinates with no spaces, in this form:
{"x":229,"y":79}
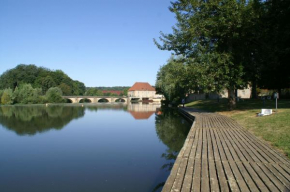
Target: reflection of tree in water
{"x":172,"y":130}
{"x":29,"y":120}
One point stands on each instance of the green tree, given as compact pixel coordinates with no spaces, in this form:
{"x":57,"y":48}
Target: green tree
{"x":210,"y":33}
{"x":93,"y":92}
{"x":65,"y":89}
{"x":20,"y":74}
{"x":54,"y":95}
{"x":40,"y":77}
{"x":172,"y":80}
{"x":26,"y":94}
{"x":1,"y":93}
{"x":7,"y":97}
{"x":78,"y":88}
{"x":125,"y":92}
{"x":47,"y":82}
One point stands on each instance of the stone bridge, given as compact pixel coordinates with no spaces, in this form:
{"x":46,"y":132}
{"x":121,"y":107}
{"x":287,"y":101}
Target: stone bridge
{"x":97,"y":99}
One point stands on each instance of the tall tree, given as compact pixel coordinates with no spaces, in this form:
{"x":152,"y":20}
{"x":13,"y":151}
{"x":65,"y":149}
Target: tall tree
{"x":172,"y":80}
{"x":210,"y":33}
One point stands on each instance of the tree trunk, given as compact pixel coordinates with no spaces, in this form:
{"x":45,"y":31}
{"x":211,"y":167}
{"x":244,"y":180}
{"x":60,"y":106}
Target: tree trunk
{"x":232,"y":98}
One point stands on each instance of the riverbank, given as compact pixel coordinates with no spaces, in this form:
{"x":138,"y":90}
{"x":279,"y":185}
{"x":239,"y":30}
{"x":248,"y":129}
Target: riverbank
{"x":273,"y":128}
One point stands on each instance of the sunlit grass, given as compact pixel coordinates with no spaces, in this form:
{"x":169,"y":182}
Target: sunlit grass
{"x":274,"y":128}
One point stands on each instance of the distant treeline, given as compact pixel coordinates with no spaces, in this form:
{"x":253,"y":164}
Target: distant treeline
{"x":115,"y":88}
{"x":40,"y":78}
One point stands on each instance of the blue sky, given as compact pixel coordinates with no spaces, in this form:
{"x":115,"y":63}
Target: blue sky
{"x":98,"y":42}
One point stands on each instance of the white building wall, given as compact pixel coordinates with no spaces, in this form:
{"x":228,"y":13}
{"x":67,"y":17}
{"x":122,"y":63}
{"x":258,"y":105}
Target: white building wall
{"x":142,"y":94}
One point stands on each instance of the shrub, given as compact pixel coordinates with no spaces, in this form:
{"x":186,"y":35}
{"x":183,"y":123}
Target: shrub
{"x":54,"y":95}
{"x":7,"y":97}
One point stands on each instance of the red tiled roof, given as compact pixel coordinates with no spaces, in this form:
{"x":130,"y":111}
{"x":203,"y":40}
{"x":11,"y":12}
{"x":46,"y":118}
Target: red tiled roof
{"x":139,"y":86}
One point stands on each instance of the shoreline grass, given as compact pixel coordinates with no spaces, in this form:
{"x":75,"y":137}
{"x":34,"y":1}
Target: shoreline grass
{"x":274,"y":128}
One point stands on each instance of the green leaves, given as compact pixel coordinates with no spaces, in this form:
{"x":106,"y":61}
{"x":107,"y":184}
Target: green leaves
{"x":54,"y":95}
{"x":7,"y":97}
{"x":26,"y":94}
{"x":40,"y":77}
{"x":212,"y":36}
{"x":172,"y":79}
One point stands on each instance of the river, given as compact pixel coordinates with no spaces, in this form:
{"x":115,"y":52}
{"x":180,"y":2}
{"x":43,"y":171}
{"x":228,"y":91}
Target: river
{"x":106,"y":147}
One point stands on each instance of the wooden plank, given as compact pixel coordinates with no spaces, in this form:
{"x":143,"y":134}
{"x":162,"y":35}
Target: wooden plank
{"x":256,"y":168}
{"x":204,"y":163}
{"x":228,"y":172}
{"x":196,"y":181}
{"x":179,"y":180}
{"x":264,"y":177}
{"x":282,"y":171}
{"x":214,"y":186}
{"x":220,"y":172}
{"x":232,"y":157}
{"x":269,"y":151}
{"x":273,"y":178}
{"x":257,"y":180}
{"x":240,"y":165}
{"x":186,"y":187}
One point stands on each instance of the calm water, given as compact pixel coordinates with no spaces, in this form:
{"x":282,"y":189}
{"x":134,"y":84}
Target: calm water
{"x":91,"y":148}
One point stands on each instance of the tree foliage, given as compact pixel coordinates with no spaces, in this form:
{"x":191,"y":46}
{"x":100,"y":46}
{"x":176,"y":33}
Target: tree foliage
{"x":7,"y":97}
{"x":54,"y":95}
{"x":172,"y":79}
{"x":26,"y":94}
{"x":40,"y":77}
{"x":93,"y":92}
{"x":223,"y":44}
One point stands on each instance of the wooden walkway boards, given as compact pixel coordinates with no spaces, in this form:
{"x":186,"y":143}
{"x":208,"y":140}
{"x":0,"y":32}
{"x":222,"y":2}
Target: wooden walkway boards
{"x":220,"y":155}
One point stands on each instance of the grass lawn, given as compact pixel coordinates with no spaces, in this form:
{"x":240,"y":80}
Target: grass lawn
{"x":274,"y":128}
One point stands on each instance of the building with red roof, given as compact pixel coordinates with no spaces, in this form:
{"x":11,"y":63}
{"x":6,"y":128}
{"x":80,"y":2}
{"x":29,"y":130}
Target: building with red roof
{"x":143,"y":91}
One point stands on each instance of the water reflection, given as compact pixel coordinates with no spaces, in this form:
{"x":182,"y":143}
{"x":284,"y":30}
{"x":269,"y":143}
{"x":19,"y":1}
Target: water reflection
{"x":27,"y":120}
{"x":172,"y":131}
{"x":100,"y":150}
{"x":96,"y":107}
{"x":142,"y":110}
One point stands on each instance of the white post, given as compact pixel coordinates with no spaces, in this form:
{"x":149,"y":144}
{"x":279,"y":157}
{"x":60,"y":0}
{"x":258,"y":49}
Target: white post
{"x":276,"y":96}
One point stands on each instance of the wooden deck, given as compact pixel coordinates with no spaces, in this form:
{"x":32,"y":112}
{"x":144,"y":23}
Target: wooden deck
{"x":220,"y":155}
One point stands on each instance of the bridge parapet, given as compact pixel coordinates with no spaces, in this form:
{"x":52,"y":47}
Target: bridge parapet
{"x":96,"y":99}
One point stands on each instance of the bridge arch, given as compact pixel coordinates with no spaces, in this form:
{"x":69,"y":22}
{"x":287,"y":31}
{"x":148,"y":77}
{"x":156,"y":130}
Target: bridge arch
{"x":85,"y":100}
{"x":120,"y":100}
{"x":68,"y":100}
{"x":103,"y":100}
